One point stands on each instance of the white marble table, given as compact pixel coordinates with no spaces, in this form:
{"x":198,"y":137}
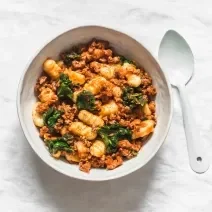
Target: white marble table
{"x":166,"y":184}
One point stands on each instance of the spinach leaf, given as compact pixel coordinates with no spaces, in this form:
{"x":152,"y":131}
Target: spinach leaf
{"x":65,"y":89}
{"x":131,"y":98}
{"x":125,"y":60}
{"x":57,"y":144}
{"x":51,"y":116}
{"x":111,"y":134}
{"x":86,"y":101}
{"x":68,"y":56}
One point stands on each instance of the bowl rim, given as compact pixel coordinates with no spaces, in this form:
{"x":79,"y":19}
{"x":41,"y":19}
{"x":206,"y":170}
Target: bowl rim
{"x":18,"y":105}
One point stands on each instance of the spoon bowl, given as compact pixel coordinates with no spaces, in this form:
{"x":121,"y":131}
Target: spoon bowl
{"x":179,"y":68}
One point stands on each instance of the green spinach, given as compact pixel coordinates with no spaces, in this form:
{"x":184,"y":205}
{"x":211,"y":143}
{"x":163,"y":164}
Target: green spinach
{"x":111,"y":134}
{"x":68,"y":56}
{"x":65,"y":89}
{"x":86,"y":101}
{"x":125,"y":60}
{"x":131,"y":98}
{"x":60,"y":143}
{"x":51,"y":116}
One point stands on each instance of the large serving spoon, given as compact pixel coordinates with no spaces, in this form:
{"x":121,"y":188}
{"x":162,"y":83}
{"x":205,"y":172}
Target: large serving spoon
{"x":177,"y":61}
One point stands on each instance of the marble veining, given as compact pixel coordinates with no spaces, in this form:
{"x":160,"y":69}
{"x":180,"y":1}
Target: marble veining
{"x":166,"y":183}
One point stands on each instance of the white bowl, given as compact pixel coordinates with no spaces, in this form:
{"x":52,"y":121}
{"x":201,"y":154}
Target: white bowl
{"x":124,"y":45}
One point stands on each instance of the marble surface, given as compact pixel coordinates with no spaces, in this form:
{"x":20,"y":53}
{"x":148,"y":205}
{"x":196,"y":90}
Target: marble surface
{"x":166,"y":183}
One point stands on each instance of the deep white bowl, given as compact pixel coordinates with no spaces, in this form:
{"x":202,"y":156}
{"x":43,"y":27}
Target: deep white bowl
{"x":124,"y":45}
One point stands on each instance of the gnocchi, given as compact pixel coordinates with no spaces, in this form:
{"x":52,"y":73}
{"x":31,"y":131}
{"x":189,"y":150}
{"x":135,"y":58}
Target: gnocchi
{"x":52,"y":69}
{"x":75,"y":95}
{"x":117,"y":92}
{"x":57,"y":154}
{"x":82,"y":149}
{"x":90,"y":119}
{"x":146,"y":110}
{"x":47,"y":95}
{"x":133,"y":80}
{"x":105,"y":70}
{"x":70,"y":157}
{"x":75,"y":77}
{"x":95,"y":85}
{"x":144,"y":129}
{"x":98,"y":148}
{"x":128,"y":70}
{"x":37,"y":117}
{"x":108,"y":109}
{"x":80,"y":129}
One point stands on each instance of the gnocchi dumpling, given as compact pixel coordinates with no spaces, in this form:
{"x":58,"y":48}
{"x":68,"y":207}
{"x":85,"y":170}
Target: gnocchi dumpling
{"x":37,"y":117}
{"x":133,"y":80}
{"x":56,"y":154}
{"x":80,"y":129}
{"x":90,"y":119}
{"x":108,"y":109}
{"x":95,"y":85}
{"x":81,"y":149}
{"x":108,"y":71}
{"x":117,"y":92}
{"x":105,"y":70}
{"x":70,"y":157}
{"x":52,"y":69}
{"x":47,"y":95}
{"x":143,"y":129}
{"x":75,"y":77}
{"x":75,"y":95}
{"x":129,"y":68}
{"x":146,"y":110}
{"x":98,"y":148}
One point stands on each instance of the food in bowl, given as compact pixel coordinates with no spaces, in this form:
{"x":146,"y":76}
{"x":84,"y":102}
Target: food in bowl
{"x":95,"y":107}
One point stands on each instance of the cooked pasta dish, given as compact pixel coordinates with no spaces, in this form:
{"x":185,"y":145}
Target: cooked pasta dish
{"x":94,"y":108}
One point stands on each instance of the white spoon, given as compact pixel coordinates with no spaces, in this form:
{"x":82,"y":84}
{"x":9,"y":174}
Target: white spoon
{"x":177,"y":61}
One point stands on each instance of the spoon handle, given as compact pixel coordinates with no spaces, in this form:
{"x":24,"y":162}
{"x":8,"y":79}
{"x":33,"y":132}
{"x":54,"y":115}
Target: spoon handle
{"x":198,"y":159}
